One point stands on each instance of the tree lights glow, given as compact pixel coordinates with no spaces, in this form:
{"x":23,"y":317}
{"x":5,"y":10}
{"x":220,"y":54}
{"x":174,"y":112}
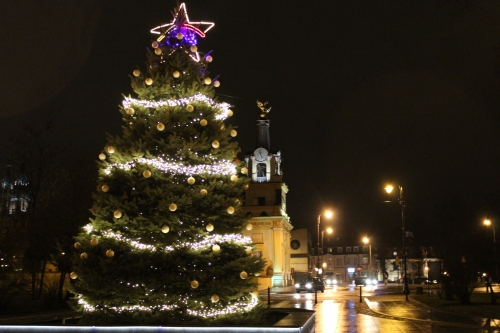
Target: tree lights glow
{"x":165,"y":185}
{"x":221,"y":168}
{"x":221,"y":109}
{"x":206,"y":242}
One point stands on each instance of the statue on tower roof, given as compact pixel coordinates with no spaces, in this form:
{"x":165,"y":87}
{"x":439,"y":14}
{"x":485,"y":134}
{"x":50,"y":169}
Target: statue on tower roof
{"x":263,"y":109}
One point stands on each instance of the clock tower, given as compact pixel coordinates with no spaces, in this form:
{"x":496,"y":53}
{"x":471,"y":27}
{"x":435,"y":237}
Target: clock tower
{"x":265,"y":205}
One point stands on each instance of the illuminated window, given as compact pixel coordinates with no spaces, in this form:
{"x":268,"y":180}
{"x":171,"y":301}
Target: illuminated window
{"x":261,"y":172}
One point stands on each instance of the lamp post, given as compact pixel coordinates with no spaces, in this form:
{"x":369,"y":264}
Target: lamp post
{"x":389,"y":189}
{"x":366,"y":240}
{"x":488,"y":222}
{"x":328,"y":214}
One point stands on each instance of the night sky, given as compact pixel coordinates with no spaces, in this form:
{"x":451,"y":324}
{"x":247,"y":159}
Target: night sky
{"x":362,"y":93}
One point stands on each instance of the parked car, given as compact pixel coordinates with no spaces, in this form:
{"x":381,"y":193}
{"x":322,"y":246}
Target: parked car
{"x":310,"y":285}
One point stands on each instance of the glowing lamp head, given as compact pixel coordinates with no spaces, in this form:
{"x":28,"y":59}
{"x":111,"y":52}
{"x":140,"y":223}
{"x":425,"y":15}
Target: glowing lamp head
{"x":487,"y":222}
{"x":366,"y":240}
{"x":328,"y":214}
{"x":389,"y":188}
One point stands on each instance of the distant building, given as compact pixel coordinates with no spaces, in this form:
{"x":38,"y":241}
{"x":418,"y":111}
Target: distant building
{"x":265,"y":205}
{"x":15,"y":201}
{"x":347,"y":260}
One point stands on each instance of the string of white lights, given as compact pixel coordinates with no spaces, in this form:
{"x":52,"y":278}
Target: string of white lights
{"x":222,"y":109}
{"x":207,"y":242}
{"x":208,"y":312}
{"x":221,"y":167}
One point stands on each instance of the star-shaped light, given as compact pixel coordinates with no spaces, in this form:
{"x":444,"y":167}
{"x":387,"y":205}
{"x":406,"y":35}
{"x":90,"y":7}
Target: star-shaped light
{"x":183,"y":25}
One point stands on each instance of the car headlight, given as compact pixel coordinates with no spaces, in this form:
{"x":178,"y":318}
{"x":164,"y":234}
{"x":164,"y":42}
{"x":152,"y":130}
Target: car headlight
{"x":308,"y":286}
{"x":374,"y":282}
{"x":334,"y":281}
{"x":368,"y":281}
{"x":328,"y":281}
{"x":297,"y":285}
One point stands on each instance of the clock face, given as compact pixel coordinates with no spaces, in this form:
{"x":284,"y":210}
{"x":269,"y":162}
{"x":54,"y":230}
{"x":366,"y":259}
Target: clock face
{"x":260,"y":154}
{"x":295,"y":244}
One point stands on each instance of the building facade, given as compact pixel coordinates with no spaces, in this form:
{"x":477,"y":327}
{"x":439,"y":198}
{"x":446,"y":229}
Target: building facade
{"x":268,"y":223}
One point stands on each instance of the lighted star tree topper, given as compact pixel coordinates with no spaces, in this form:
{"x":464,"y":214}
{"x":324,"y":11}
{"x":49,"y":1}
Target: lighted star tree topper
{"x":164,"y":245}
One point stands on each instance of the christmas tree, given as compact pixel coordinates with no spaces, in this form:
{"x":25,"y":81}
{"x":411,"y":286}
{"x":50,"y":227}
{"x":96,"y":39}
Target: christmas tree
{"x":164,"y":245}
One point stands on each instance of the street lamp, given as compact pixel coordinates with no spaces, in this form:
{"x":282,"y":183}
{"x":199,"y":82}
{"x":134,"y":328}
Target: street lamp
{"x":488,"y":222}
{"x":389,"y":189}
{"x":328,"y":214}
{"x":366,"y":240}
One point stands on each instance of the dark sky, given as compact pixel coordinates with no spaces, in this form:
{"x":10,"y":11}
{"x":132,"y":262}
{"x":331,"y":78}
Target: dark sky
{"x":362,"y":92}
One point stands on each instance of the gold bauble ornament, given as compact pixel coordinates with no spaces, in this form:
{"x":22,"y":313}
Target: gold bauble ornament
{"x":160,"y":127}
{"x":191,"y":180}
{"x":165,"y":229}
{"x":158,"y":51}
{"x":149,"y":81}
{"x":176,"y":74}
{"x":84,"y":255}
{"x":105,"y":188}
{"x":209,"y":58}
{"x":194,"y":48}
{"x":172,"y":207}
{"x":77,"y":245}
{"x":216,"y":248}
{"x":110,"y":253}
{"x":234,"y":178}
{"x":189,"y":108}
{"x":248,"y":251}
{"x":179,"y":36}
{"x":230,"y":210}
{"x":246,"y":186}
{"x":102,"y":156}
{"x":203,"y":191}
{"x":117,"y":214}
{"x":214,"y":298}
{"x":230,"y":113}
{"x":136,"y":72}
{"x":233,"y":133}
{"x":130,"y":111}
{"x":216,"y":84}
{"x":146,"y":174}
{"x":244,"y":170}
{"x":194,"y":284}
{"x":203,"y":122}
{"x":111,"y":149}
{"x":210,"y":227}
{"x":249,"y":226}
{"x":215,"y":144}
{"x":207,"y":80}
{"x":73,"y":275}
{"x":155,"y":44}
{"x":94,"y":242}
{"x":243,"y":275}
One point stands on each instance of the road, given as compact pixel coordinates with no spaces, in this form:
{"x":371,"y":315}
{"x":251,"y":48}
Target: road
{"x":339,"y":309}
